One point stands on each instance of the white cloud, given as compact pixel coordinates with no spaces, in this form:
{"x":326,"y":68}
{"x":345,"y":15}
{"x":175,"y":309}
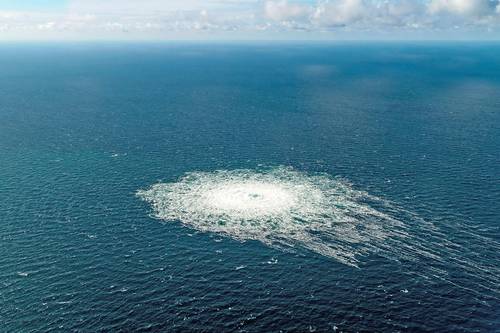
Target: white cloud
{"x":46,"y":26}
{"x":463,"y":7}
{"x":282,"y":10}
{"x":340,"y":12}
{"x":157,"y":19}
{"x":404,"y":8}
{"x":143,"y":7}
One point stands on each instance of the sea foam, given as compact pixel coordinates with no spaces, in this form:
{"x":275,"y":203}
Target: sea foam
{"x":292,"y":210}
{"x":280,"y":207}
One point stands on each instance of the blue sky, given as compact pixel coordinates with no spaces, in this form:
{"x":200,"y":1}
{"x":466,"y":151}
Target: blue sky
{"x":32,"y":4}
{"x":249,"y":19}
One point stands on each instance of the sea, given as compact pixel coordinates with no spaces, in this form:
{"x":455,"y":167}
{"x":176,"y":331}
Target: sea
{"x":128,"y":172}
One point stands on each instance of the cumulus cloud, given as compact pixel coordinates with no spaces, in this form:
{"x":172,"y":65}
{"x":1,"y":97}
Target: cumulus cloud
{"x":463,"y":7}
{"x":173,"y":18}
{"x":340,"y":12}
{"x":282,"y":10}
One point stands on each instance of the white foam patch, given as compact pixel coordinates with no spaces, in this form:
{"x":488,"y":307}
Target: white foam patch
{"x":288,"y":209}
{"x":280,"y":207}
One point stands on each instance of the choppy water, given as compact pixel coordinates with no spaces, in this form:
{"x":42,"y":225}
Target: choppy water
{"x":249,"y":187}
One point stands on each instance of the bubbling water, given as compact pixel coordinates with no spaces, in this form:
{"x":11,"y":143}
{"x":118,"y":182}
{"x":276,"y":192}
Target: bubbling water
{"x":280,"y":207}
{"x":290,"y":210}
{"x":250,"y":199}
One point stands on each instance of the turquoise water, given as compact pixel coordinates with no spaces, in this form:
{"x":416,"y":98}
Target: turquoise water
{"x":400,"y":141}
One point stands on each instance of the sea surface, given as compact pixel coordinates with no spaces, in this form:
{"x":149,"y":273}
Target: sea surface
{"x":408,"y":132}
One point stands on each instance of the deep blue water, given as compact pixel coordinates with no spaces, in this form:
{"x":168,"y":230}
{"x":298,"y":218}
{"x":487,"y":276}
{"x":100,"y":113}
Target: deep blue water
{"x":84,"y":126}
